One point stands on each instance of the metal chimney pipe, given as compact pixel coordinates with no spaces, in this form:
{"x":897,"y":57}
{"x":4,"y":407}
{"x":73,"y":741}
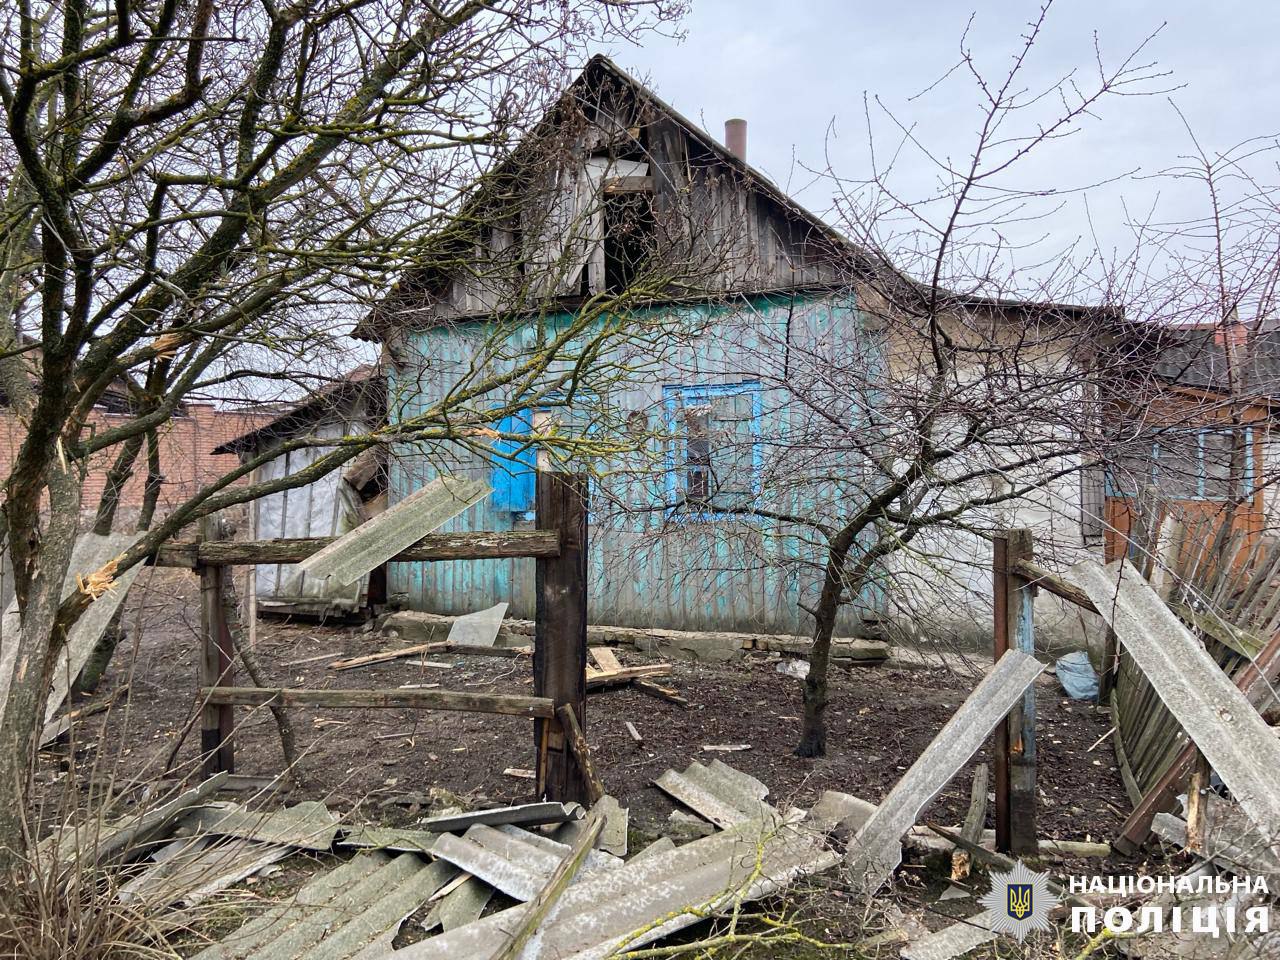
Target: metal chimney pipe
{"x":735,"y":137}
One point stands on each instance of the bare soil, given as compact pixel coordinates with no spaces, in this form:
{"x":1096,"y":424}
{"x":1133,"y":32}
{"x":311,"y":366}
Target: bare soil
{"x":381,"y":761}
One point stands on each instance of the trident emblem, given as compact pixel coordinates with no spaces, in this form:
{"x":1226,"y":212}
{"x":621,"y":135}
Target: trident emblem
{"x":1020,"y":898}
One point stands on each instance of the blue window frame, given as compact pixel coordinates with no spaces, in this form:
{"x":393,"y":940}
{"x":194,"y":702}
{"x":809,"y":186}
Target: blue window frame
{"x":514,"y":472}
{"x":1183,"y":464}
{"x":714,"y":451}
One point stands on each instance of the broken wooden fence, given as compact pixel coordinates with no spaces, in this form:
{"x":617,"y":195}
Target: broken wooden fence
{"x":1224,"y":591}
{"x":1225,"y":594}
{"x":559,"y":549}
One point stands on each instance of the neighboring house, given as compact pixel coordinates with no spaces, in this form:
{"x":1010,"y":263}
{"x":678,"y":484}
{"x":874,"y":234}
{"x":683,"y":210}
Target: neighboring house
{"x":679,"y":557}
{"x":1198,"y":433}
{"x":334,"y":504}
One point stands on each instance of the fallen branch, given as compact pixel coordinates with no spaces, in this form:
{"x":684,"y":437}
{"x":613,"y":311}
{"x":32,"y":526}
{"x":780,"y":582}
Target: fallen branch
{"x":235,"y":627}
{"x":581,"y":751}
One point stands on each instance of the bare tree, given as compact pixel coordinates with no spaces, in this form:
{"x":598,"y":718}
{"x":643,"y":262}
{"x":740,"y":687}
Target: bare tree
{"x":964,"y":392}
{"x":200,"y":198}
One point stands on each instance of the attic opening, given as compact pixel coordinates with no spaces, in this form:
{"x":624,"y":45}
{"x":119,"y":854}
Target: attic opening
{"x":629,"y":233}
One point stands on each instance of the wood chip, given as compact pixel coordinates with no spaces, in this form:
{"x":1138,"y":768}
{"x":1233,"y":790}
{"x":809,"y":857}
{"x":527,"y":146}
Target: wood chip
{"x":635,"y":734}
{"x":520,"y":773}
{"x":725,"y":747}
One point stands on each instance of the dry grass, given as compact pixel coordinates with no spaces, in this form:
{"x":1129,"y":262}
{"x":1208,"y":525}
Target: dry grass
{"x":66,"y":911}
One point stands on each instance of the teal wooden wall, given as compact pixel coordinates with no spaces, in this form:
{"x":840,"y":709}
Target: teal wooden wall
{"x":646,"y":569}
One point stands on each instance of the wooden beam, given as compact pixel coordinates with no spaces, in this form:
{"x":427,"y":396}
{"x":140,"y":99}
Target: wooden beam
{"x":511,"y":705}
{"x":1015,"y":749}
{"x":1040,"y":577}
{"x":598,"y":680}
{"x":217,"y":666}
{"x":540,"y":906}
{"x":961,"y":862}
{"x":560,"y":650}
{"x":479,"y":545}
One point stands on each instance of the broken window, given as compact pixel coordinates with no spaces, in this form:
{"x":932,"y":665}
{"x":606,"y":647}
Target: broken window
{"x":715,"y":449}
{"x":629,"y":229}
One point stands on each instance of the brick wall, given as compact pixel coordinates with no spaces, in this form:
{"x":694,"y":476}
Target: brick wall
{"x":185,"y":455}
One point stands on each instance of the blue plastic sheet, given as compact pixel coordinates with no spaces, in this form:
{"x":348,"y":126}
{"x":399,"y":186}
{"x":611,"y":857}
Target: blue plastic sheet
{"x":1076,"y":675}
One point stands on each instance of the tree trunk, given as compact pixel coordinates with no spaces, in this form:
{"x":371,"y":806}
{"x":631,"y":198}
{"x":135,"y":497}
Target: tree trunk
{"x":813,"y":735}
{"x":39,"y":642}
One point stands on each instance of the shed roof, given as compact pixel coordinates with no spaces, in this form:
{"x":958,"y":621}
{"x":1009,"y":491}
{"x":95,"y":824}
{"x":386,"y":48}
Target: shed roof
{"x":365,"y":382}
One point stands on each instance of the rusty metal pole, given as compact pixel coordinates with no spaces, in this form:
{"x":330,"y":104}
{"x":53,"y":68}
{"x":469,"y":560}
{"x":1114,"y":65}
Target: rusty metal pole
{"x":1000,"y":637}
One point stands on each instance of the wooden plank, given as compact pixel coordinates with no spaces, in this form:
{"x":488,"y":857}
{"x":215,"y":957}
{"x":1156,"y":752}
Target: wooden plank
{"x":380,"y":538}
{"x":875,"y":852}
{"x":649,"y":688}
{"x":441,"y":646}
{"x":477,"y":545}
{"x":1213,"y":711}
{"x":501,"y":703}
{"x":973,"y":821}
{"x":542,"y":905}
{"x":604,"y":658}
{"x":560,"y":651}
{"x":624,"y":675}
{"x":1040,"y":577}
{"x":385,"y":656}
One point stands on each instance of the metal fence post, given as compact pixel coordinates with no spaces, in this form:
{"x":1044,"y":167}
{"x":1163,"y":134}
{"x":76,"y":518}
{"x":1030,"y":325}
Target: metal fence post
{"x":1015,"y":745}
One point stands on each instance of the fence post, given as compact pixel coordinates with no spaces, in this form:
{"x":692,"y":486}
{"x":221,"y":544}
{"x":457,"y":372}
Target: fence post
{"x":216,"y":662}
{"x":1015,"y":744}
{"x":560,"y":648}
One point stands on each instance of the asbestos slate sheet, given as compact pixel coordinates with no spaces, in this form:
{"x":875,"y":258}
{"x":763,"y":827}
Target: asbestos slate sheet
{"x":1236,"y":741}
{"x":90,"y":553}
{"x":876,"y":850}
{"x":658,"y":895}
{"x":379,"y":539}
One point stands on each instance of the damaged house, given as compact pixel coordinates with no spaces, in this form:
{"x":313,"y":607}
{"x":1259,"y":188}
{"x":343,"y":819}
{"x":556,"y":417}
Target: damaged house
{"x":630,"y":181}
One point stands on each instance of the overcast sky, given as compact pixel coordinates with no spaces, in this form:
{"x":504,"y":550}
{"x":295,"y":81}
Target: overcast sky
{"x":798,"y":72}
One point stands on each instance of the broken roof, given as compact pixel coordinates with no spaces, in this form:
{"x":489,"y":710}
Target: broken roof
{"x":600,"y":72}
{"x":854,"y":260}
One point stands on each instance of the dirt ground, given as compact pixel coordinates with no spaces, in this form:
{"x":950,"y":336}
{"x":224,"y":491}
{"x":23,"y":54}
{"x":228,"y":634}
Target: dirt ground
{"x":374,"y":764}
